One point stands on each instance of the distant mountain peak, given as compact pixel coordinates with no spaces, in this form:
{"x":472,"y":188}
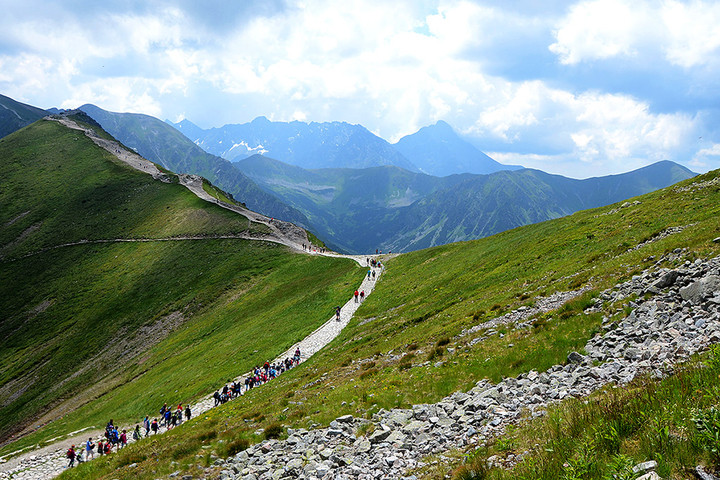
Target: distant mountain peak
{"x":438,"y":150}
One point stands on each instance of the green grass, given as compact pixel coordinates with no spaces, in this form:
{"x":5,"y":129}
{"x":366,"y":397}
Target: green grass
{"x":429,"y":296}
{"x":104,"y":330}
{"x":421,"y":305}
{"x":675,"y":422}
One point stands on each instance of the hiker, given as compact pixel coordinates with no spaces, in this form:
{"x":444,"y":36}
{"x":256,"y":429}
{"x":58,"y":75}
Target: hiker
{"x":337,"y":313}
{"x":362,"y":296}
{"x":89,"y":449}
{"x":123,"y":439}
{"x":187,"y":412}
{"x":297,"y":355}
{"x":154,"y":426}
{"x":163,"y":410}
{"x":136,"y":433}
{"x":71,"y":455}
{"x":357,"y":293}
{"x":101,"y":448}
{"x":108,"y":448}
{"x":368,"y":274}
{"x":216,"y":396}
{"x":179,"y":412}
{"x":373,"y":275}
{"x":167,"y":418}
{"x":146,"y":424}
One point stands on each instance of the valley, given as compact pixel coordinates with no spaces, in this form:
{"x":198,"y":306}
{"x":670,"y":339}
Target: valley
{"x":126,"y":286}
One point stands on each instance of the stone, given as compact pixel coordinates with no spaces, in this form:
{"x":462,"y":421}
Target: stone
{"x":649,"y":476}
{"x":379,"y":435}
{"x":345,"y":419}
{"x":703,"y":475}
{"x":575,"y":357}
{"x":645,"y":466}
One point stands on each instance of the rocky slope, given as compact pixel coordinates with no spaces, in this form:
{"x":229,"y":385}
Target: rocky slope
{"x":681,"y":316}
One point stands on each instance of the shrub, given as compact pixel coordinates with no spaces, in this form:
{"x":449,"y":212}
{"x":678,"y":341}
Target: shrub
{"x":442,"y":342}
{"x":274,"y":430}
{"x":436,"y":352}
{"x":234,"y":447}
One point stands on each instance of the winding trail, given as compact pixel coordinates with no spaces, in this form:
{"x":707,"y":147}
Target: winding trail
{"x":49,"y":461}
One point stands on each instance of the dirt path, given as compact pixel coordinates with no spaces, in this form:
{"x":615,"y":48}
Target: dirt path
{"x":49,"y":461}
{"x":285,"y":233}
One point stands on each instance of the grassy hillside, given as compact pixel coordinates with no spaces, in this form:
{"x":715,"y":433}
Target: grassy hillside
{"x":15,"y":115}
{"x":161,"y":143}
{"x":107,"y":328}
{"x":426,"y":300}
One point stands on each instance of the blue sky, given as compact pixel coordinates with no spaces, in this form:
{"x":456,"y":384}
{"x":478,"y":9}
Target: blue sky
{"x":577,"y":88}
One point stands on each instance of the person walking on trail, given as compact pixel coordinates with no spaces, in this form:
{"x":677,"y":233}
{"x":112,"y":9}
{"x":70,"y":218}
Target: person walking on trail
{"x":337,"y":313}
{"x":357,"y":294}
{"x":368,"y":274}
{"x":188,"y":413}
{"x":362,"y":296}
{"x":101,"y":448}
{"x":146,"y":424}
{"x":89,"y":449}
{"x":136,"y":433}
{"x":71,"y":456}
{"x":154,"y":426}
{"x":373,"y":275}
{"x":123,"y":439}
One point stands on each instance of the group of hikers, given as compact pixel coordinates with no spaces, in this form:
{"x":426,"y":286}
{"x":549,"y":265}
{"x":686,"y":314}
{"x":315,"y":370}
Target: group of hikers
{"x":257,"y":377}
{"x":311,"y":248}
{"x":114,"y":439}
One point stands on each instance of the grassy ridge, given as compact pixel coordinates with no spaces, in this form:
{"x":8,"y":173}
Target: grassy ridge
{"x":144,"y":321}
{"x":427,"y":298}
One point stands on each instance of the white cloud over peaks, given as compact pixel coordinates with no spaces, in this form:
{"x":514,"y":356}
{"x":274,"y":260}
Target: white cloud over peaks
{"x":683,"y":33}
{"x":693,"y":33}
{"x":599,"y":29}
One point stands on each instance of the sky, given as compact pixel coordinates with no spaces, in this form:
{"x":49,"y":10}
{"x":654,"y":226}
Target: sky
{"x":580,"y":89}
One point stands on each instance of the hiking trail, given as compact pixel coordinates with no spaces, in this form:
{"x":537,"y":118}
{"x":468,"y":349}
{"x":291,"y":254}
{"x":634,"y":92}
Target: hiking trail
{"x":49,"y":461}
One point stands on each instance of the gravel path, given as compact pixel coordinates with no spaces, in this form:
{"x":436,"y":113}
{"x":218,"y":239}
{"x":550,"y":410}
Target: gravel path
{"x":49,"y":461}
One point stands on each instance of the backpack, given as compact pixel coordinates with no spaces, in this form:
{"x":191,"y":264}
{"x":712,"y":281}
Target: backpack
{"x":70,"y":453}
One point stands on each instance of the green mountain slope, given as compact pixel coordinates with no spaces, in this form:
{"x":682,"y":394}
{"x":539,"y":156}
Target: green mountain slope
{"x":147,"y":305}
{"x":161,"y":143}
{"x":345,"y":206}
{"x":391,"y":209}
{"x":487,"y":204}
{"x":15,"y":115}
{"x":409,"y":343}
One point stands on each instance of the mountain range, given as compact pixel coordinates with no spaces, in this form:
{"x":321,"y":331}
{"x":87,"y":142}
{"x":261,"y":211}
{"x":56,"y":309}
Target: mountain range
{"x":15,"y":115}
{"x":384,"y":207}
{"x":434,"y":150}
{"x":388,"y":208}
{"x":164,"y":145}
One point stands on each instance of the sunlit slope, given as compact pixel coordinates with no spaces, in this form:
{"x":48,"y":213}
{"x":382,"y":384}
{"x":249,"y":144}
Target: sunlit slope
{"x":161,"y":307}
{"x":407,"y":344}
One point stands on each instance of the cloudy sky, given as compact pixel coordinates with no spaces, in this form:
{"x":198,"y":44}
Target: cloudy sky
{"x":578,"y":88}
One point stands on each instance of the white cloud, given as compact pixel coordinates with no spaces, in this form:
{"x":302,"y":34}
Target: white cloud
{"x":391,"y":66}
{"x":693,"y":33}
{"x":598,"y":29}
{"x":681,"y":33}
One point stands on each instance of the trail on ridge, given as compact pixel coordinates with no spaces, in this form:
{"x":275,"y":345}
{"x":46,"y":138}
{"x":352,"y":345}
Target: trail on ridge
{"x":49,"y":461}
